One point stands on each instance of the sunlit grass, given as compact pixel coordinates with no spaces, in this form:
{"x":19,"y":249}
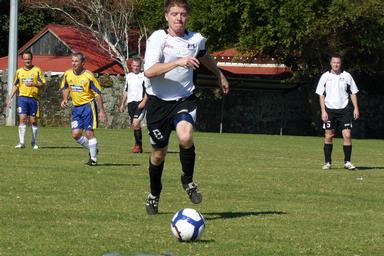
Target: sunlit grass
{"x":263,"y":195}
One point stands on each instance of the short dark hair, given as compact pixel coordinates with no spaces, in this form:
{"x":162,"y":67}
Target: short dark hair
{"x":79,"y":55}
{"x":170,"y":3}
{"x":335,"y":55}
{"x":137,"y":59}
{"x":27,"y":52}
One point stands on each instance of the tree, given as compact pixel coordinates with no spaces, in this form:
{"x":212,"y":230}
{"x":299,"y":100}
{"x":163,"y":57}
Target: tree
{"x":112,"y":22}
{"x":302,"y":34}
{"x":30,"y":22}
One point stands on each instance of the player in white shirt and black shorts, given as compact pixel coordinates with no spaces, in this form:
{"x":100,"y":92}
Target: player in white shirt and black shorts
{"x":338,"y":102}
{"x":134,"y":96}
{"x":171,"y":57}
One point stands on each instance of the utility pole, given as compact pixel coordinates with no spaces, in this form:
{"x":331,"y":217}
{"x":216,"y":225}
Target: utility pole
{"x":12,"y":59}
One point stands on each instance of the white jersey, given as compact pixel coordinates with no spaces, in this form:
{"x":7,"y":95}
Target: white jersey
{"x":163,"y":48}
{"x":134,"y":86}
{"x":336,"y":89}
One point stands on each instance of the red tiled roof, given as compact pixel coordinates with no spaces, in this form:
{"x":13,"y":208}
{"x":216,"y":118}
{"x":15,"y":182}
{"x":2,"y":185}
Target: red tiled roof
{"x":76,"y":40}
{"x":226,"y":53}
{"x":46,"y":63}
{"x":233,"y":61}
{"x":256,"y":70}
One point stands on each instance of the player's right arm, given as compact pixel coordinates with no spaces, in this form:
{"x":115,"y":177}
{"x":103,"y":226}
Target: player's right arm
{"x":15,"y":88}
{"x":124,"y":96}
{"x":65,"y":91}
{"x":13,"y":92}
{"x":153,"y":64}
{"x":123,"y":101}
{"x":320,"y":90}
{"x":162,"y":68}
{"x":324,"y":114}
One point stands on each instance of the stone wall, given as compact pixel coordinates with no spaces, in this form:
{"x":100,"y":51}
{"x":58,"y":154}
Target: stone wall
{"x":256,"y":111}
{"x":292,"y":111}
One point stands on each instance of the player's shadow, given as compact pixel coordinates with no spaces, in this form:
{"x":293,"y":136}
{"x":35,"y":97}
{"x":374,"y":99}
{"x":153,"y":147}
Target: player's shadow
{"x":232,"y":215}
{"x":364,"y":168}
{"x":59,"y":147}
{"x":200,"y":241}
{"x":117,"y":164}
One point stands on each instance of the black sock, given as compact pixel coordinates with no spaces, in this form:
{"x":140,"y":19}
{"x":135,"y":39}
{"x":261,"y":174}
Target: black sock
{"x":328,"y":153}
{"x":347,"y":153}
{"x":187,"y":159}
{"x":138,"y":137}
{"x":155,"y":173}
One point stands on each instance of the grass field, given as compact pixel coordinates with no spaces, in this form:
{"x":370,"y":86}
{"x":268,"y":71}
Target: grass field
{"x":263,"y":195}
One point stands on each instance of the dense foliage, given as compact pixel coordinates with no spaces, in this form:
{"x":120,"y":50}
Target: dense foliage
{"x":30,"y":22}
{"x":301,"y":34}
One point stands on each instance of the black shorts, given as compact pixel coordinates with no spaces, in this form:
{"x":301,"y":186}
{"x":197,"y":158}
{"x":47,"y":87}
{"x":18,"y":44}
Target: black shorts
{"x":339,"y":118}
{"x":134,"y":111}
{"x":162,"y":117}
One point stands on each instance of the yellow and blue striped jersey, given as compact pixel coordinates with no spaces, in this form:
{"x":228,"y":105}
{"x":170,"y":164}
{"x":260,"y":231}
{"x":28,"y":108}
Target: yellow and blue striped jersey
{"x":23,"y":77}
{"x":83,"y":88}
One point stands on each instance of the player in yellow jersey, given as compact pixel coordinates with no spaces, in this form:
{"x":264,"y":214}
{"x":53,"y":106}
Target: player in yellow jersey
{"x":28,"y":81}
{"x":84,"y":90}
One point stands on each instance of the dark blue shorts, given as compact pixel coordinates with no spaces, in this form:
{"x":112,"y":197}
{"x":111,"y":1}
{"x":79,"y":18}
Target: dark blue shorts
{"x":28,"y":106}
{"x":85,"y":116}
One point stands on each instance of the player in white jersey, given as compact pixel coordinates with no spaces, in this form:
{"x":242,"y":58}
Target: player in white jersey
{"x":134,"y":96}
{"x":337,"y":90}
{"x":171,"y":57}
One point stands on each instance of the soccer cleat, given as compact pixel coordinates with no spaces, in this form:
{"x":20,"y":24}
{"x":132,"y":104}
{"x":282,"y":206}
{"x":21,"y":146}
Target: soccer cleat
{"x":20,"y":145}
{"x":137,"y":149}
{"x":327,"y":166}
{"x":91,"y":162}
{"x":34,"y":146}
{"x":349,"y":166}
{"x":152,"y":204}
{"x":193,"y":192}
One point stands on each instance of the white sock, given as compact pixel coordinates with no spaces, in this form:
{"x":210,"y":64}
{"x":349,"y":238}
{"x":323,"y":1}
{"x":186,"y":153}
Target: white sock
{"x":22,"y":128}
{"x":34,"y":134}
{"x":93,"y":148}
{"x":83,"y":141}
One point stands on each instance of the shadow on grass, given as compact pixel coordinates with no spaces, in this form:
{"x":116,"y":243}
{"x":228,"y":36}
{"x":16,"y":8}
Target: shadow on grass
{"x":200,"y":241}
{"x":363,"y":168}
{"x":117,"y":164}
{"x":60,"y":147}
{"x":231,"y":215}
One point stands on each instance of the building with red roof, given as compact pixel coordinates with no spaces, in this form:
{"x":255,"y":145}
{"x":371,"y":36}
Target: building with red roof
{"x":53,"y":46}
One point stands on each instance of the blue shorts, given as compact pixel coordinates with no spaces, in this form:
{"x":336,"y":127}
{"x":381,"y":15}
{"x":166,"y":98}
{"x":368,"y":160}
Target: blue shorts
{"x":28,"y":106}
{"x":84,"y":116}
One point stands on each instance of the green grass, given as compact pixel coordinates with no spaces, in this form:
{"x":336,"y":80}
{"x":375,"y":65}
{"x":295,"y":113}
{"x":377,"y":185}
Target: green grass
{"x":263,"y":195}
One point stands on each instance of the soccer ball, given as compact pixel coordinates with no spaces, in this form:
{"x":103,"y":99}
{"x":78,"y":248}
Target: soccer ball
{"x":187,"y":225}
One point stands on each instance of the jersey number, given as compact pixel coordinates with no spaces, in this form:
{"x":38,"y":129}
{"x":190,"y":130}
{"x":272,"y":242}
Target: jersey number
{"x":157,"y":134}
{"x":74,"y":124}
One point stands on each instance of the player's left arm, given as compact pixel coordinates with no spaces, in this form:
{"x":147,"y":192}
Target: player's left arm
{"x":100,"y":105}
{"x":143,"y":102}
{"x":209,"y":63}
{"x":40,"y":79}
{"x":96,"y":88}
{"x":354,"y":90}
{"x":356,"y":112}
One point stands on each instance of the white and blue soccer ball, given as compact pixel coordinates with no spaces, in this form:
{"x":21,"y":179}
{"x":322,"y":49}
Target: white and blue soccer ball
{"x":187,"y":225}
